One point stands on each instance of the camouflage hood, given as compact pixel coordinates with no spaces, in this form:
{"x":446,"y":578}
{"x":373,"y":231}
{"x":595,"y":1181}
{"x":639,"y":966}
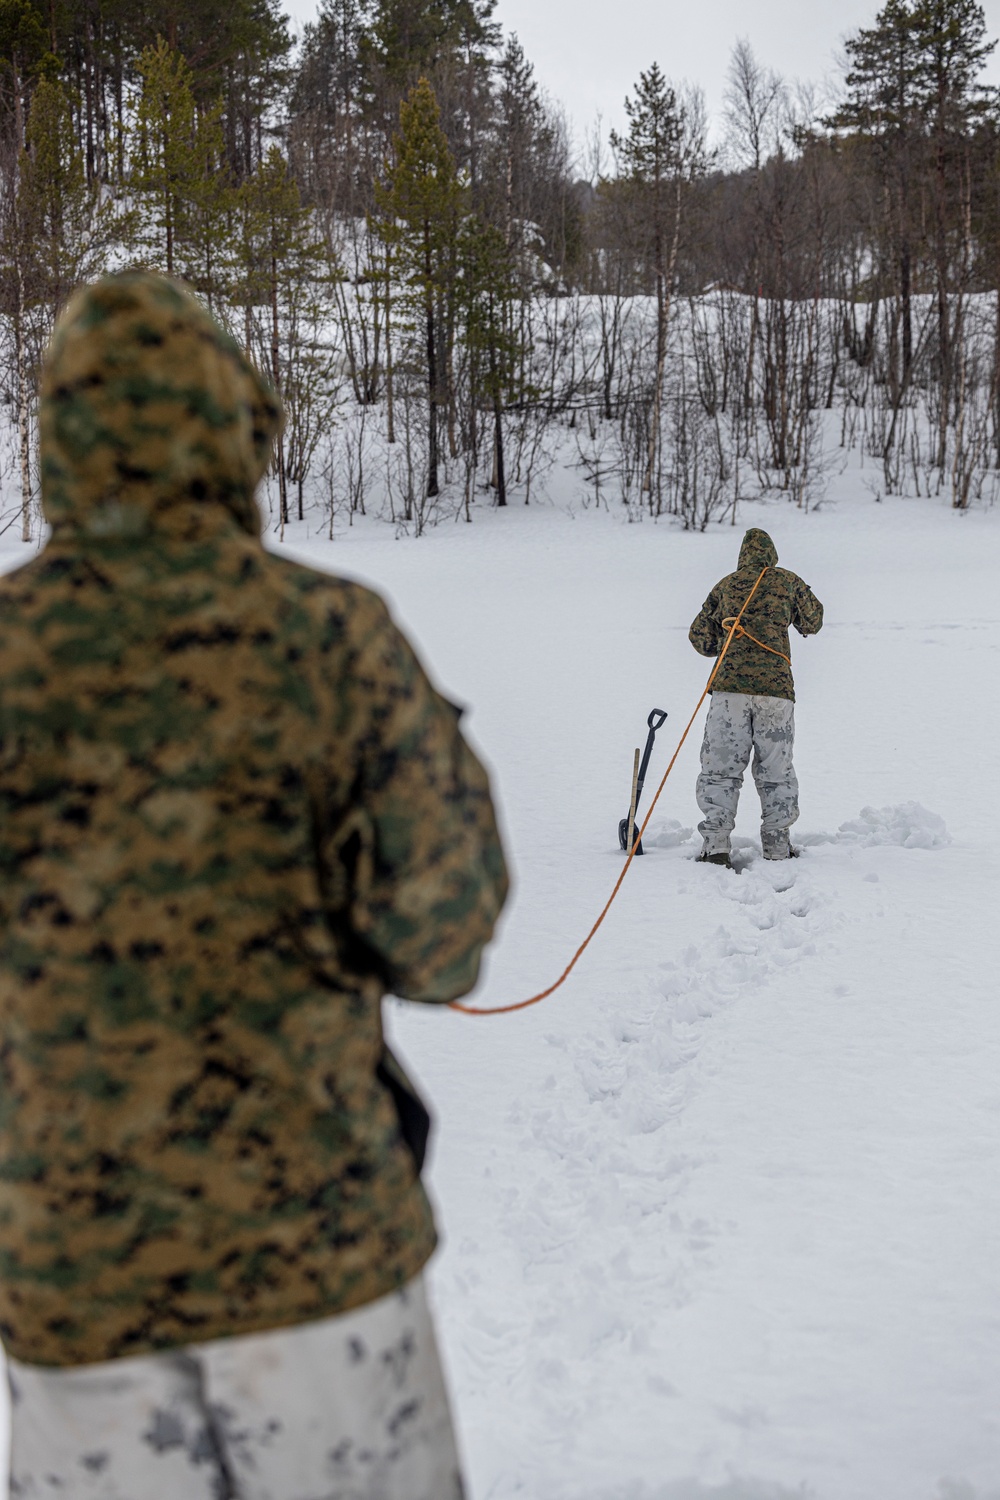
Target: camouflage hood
{"x":151,"y":416}
{"x":234,"y":813}
{"x":757,"y":662}
{"x":757,"y":552}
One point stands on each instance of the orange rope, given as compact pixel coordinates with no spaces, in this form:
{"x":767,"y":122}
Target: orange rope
{"x":738,"y":630}
{"x":502,"y":1010}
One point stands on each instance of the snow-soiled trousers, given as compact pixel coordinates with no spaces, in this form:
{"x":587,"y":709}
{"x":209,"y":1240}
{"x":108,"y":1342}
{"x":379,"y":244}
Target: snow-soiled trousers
{"x":738,"y":725}
{"x":348,"y":1408}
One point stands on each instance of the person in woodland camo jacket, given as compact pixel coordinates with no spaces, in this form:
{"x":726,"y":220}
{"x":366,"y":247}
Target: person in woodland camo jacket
{"x":233,"y":814}
{"x":752,"y":709}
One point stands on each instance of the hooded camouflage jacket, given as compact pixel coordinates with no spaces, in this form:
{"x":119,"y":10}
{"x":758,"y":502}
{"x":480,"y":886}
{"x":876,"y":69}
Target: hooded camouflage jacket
{"x":233,"y":814}
{"x":781,"y":600}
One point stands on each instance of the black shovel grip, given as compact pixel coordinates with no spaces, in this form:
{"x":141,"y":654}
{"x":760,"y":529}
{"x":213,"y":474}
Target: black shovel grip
{"x":655,"y":721}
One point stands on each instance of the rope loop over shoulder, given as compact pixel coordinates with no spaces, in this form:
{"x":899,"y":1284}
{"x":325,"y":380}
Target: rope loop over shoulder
{"x":733,"y":626}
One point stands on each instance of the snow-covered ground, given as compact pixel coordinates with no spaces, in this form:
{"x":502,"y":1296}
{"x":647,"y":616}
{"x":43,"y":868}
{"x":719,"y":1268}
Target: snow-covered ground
{"x":721,"y":1217}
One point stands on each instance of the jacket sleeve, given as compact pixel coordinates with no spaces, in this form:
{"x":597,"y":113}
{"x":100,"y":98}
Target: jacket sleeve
{"x":706,"y":634}
{"x":807,"y":612}
{"x":428,"y":878}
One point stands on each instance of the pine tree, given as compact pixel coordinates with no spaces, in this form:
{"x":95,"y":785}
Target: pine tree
{"x":253,"y":77}
{"x":331,"y":96}
{"x":283,"y":267}
{"x":421,"y":205}
{"x":20,"y":304}
{"x":913,"y":93}
{"x":237,"y":52}
{"x":881,"y":80}
{"x":663,"y":150}
{"x":69,"y":222}
{"x":410,"y":37}
{"x":490,"y":294}
{"x":164,"y":157}
{"x":206,"y":208}
{"x":331,"y":76}
{"x":23,"y":56}
{"x":882,"y":108}
{"x":180,"y":175}
{"x":951,"y":54}
{"x":521,"y":120}
{"x":311,"y":386}
{"x":56,"y":230}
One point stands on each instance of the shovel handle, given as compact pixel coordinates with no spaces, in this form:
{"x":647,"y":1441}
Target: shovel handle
{"x":631,"y":811}
{"x":655,"y":721}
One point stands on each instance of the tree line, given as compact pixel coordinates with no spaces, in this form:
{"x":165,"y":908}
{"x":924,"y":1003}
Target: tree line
{"x":393,"y":220}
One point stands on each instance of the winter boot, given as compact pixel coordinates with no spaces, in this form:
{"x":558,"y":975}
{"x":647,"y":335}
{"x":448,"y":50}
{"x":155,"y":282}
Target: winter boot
{"x":778,"y":845}
{"x":715,"y":859}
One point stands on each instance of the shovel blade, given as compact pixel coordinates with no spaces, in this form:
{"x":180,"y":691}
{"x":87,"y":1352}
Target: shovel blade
{"x":623,"y":836}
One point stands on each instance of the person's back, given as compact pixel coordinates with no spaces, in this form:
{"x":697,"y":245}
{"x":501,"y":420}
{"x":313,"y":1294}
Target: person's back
{"x":752,"y":696}
{"x":233,"y":814}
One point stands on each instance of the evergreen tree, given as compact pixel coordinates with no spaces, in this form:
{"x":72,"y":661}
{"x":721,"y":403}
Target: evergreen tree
{"x":529,"y":165}
{"x":21,"y":305}
{"x":421,"y":205}
{"x":207,"y":204}
{"x":951,"y":54}
{"x":69,"y":223}
{"x":24,"y":55}
{"x":451,"y":43}
{"x":490,"y":295}
{"x":464,"y":82}
{"x":164,"y":157}
{"x":330,"y":108}
{"x":256,"y":76}
{"x":913,"y":94}
{"x":311,"y":387}
{"x":284,"y":269}
{"x":331,"y":73}
{"x":236,"y":50}
{"x":663,"y":149}
{"x":881,"y":80}
{"x":881,"y":107}
{"x":410,"y":37}
{"x":521,"y":126}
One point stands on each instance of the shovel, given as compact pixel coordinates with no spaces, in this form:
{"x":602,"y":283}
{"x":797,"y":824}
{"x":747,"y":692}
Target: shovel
{"x":626,"y":828}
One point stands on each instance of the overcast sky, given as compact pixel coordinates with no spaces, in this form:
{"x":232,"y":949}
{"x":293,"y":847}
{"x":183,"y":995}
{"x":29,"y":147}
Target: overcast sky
{"x":588,"y":53}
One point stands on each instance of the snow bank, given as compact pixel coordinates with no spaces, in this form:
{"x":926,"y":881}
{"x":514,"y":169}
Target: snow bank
{"x":666,"y":834}
{"x":908,"y":825}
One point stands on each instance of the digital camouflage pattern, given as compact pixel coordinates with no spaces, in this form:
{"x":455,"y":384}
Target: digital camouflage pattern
{"x":233,"y":813}
{"x":346,"y":1408}
{"x":737,"y":727}
{"x":781,"y":600}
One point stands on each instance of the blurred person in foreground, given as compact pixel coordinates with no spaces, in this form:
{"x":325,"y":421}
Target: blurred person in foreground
{"x":752,"y":711}
{"x":233,"y":814}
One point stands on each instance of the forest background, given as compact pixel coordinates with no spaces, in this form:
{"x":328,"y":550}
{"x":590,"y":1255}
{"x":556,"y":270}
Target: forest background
{"x":452,"y":296}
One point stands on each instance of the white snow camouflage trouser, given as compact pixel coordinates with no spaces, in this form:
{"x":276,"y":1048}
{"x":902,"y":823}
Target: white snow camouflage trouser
{"x":738,"y":724}
{"x":347,"y":1408}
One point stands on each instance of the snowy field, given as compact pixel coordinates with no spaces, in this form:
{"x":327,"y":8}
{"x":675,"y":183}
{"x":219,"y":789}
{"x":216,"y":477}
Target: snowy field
{"x":721,"y":1217}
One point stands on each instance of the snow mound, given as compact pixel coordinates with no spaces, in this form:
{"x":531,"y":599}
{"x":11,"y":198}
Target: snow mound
{"x":907,"y":825}
{"x":667,"y":834}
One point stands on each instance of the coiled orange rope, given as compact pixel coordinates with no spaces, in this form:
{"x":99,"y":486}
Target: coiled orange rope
{"x":737,"y":629}
{"x":734,"y":627}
